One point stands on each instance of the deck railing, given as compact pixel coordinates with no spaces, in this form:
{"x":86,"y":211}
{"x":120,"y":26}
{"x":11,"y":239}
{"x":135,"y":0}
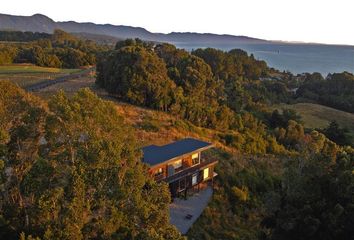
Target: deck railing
{"x":188,"y":171}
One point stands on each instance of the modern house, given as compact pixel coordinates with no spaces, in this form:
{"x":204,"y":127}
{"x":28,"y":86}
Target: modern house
{"x":181,"y":164}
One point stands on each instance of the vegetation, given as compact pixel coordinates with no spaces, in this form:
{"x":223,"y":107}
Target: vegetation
{"x":259,"y":188}
{"x":315,"y":116}
{"x":316,"y":199}
{"x":173,"y":80}
{"x":337,"y":134}
{"x":335,"y":91}
{"x":17,"y":36}
{"x":71,"y":169}
{"x":58,"y":50}
{"x":27,"y":74}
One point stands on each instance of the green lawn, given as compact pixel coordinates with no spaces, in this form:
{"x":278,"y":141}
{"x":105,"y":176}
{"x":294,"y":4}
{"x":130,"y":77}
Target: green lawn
{"x":25,"y":75}
{"x":318,"y":116}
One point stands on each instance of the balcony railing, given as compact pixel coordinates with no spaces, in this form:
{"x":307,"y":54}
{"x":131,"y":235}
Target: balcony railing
{"x":189,"y":170}
{"x":159,"y":177}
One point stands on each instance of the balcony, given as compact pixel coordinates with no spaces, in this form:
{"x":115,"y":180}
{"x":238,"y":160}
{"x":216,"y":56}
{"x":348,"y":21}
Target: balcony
{"x":159,"y":177}
{"x":189,"y":170}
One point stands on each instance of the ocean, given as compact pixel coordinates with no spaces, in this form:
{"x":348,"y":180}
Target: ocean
{"x":294,"y":57}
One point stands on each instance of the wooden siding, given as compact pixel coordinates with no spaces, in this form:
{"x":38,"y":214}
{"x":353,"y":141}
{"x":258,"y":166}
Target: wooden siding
{"x":186,"y":163}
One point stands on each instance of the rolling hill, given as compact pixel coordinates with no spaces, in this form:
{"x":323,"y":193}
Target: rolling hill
{"x":42,"y":23}
{"x":319,"y":116}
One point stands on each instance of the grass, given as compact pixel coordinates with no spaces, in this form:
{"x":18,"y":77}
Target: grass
{"x":319,"y":116}
{"x":150,"y":126}
{"x":29,"y":68}
{"x":26,"y":74}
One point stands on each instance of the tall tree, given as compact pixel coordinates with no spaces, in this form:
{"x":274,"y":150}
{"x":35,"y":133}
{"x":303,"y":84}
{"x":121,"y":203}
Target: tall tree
{"x":75,"y":172}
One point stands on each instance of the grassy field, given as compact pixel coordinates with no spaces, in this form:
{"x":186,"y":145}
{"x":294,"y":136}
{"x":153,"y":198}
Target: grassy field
{"x":25,"y":74}
{"x":318,"y":116}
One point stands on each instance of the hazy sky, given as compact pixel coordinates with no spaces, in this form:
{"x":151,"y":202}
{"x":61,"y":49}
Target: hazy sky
{"x":324,"y":21}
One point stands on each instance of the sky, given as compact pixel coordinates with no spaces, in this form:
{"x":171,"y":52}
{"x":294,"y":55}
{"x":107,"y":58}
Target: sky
{"x":321,"y":21}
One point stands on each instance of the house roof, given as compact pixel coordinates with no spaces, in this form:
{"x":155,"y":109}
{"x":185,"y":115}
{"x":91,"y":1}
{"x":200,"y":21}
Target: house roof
{"x":154,"y":155}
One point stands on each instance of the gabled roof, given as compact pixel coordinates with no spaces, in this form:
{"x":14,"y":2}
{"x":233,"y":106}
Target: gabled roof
{"x":154,"y":155}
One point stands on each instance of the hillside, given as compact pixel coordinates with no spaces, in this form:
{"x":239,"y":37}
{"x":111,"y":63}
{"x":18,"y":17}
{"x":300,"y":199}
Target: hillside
{"x":151,"y":126}
{"x":41,"y":23}
{"x":319,"y":116}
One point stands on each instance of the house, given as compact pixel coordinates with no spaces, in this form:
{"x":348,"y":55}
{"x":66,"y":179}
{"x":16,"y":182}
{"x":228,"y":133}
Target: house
{"x":181,"y":164}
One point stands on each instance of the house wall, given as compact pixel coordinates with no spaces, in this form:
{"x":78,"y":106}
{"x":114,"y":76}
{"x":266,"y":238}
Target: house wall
{"x":186,"y":163}
{"x":175,"y":187}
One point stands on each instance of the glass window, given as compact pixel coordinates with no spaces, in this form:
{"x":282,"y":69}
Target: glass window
{"x":177,"y":164}
{"x":195,"y":158}
{"x":205,"y":173}
{"x":194,"y":179}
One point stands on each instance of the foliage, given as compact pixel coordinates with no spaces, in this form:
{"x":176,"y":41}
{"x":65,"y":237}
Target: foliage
{"x":17,"y":36}
{"x":241,"y":194}
{"x":238,"y":203}
{"x":316,"y":200}
{"x":337,"y":134}
{"x":334,"y":91}
{"x":73,"y":171}
{"x":59,"y":49}
{"x":137,"y":75}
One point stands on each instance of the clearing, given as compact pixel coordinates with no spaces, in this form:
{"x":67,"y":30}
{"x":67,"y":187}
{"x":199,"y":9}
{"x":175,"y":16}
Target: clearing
{"x":25,"y":75}
{"x":319,"y":116}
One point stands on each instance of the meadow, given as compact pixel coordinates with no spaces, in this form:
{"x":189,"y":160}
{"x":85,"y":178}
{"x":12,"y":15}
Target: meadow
{"x":319,"y":116}
{"x":26,"y":74}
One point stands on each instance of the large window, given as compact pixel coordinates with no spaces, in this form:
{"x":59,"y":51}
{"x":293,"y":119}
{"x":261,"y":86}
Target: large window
{"x":176,"y":166}
{"x":195,"y":158}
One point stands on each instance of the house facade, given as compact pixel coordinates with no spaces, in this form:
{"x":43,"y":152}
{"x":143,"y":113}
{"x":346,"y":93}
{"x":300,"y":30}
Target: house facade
{"x":181,"y":164}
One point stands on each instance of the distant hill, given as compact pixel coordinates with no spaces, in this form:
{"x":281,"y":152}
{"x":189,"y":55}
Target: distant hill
{"x":42,"y":23}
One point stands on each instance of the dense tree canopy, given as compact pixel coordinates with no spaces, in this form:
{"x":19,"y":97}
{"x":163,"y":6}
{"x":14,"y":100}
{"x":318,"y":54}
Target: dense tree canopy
{"x":71,"y":170}
{"x":316,"y":200}
{"x":337,"y":90}
{"x":17,"y":36}
{"x":59,"y":49}
{"x":139,"y":76}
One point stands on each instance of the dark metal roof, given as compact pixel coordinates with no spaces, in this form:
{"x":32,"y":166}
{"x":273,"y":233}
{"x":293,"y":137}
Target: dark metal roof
{"x":154,"y":155}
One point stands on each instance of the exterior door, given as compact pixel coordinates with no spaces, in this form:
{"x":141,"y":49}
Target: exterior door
{"x":194,"y":179}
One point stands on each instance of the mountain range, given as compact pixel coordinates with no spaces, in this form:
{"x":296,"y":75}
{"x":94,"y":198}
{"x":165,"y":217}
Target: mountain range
{"x":42,"y":23}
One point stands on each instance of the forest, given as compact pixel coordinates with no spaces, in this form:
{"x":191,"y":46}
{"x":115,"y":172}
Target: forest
{"x":286,"y":190}
{"x":70,"y":166}
{"x":71,"y":169}
{"x":336,"y":90}
{"x":57,"y":50}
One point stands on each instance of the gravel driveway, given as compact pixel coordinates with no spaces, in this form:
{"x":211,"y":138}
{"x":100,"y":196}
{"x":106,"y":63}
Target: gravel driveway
{"x":194,"y":206}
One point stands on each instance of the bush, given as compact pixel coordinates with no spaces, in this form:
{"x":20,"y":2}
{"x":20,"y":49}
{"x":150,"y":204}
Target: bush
{"x":241,"y":194}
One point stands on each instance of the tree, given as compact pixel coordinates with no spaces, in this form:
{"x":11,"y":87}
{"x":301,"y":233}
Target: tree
{"x":137,"y":75}
{"x":337,"y":134}
{"x":22,"y":123}
{"x":316,"y":200}
{"x":76,"y":172}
